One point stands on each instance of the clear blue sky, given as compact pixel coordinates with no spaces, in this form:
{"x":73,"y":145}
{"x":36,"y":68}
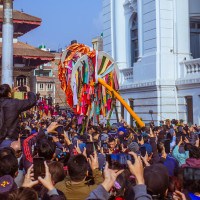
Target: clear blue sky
{"x":62,"y":21}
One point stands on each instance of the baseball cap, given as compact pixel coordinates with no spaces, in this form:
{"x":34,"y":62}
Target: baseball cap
{"x":122,"y":129}
{"x":7,"y":184}
{"x":144,"y":134}
{"x":104,"y":137}
{"x":114,"y":126}
{"x":134,"y":147}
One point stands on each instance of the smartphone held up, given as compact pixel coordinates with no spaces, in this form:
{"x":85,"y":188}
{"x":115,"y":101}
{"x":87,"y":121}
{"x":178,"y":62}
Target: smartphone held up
{"x":91,"y":147}
{"x":38,"y":167}
{"x":118,"y":161}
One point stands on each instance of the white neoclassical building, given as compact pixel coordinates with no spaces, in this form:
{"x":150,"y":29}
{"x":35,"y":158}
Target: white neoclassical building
{"x":156,"y":44}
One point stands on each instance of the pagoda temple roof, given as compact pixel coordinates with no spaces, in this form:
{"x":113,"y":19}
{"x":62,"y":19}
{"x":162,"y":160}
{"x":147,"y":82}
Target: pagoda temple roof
{"x":23,"y":22}
{"x":19,"y":17}
{"x":29,"y":55}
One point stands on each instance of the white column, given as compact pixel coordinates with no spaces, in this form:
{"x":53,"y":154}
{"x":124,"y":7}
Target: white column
{"x":140,"y":27}
{"x":112,"y":5}
{"x":183,"y":29}
{"x":120,"y":34}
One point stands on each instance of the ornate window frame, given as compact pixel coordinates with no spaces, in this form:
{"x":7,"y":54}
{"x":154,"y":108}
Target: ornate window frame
{"x":130,"y":10}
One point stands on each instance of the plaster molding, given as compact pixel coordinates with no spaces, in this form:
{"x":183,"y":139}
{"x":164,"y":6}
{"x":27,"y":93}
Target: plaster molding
{"x":126,"y":69}
{"x":138,"y":85}
{"x":161,"y":84}
{"x":130,"y":6}
{"x":188,"y":83}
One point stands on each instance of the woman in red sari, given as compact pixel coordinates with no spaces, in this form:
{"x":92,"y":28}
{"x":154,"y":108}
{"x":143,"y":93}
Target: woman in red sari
{"x":46,"y":109}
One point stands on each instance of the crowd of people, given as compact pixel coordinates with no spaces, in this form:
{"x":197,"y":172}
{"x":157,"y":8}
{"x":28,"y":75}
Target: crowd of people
{"x":59,"y":157}
{"x":45,"y":106}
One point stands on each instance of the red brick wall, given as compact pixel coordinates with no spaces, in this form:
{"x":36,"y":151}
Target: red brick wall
{"x":60,"y":95}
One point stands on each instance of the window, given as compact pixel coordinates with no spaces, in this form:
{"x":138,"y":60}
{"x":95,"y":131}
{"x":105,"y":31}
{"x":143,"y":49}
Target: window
{"x":195,"y":37}
{"x":41,"y":73}
{"x":21,"y":80}
{"x":41,"y":86}
{"x":49,"y":86}
{"x":134,"y":40}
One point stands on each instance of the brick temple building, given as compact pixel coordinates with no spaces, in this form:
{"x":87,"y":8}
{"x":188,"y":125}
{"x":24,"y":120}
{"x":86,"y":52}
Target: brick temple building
{"x":25,"y":57}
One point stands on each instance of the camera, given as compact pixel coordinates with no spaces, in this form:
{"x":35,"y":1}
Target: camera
{"x":22,"y":89}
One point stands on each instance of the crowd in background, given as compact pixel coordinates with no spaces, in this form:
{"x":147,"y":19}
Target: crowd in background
{"x":45,"y":106}
{"x":161,"y":162}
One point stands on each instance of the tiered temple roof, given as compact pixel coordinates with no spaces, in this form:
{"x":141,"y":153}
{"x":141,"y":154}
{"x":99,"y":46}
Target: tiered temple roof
{"x":24,"y":53}
{"x":22,"y":22}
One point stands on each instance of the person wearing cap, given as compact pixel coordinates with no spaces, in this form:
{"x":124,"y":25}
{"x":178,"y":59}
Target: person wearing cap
{"x":7,"y":187}
{"x":133,"y":147}
{"x":113,"y":131}
{"x":121,"y":133}
{"x":104,"y":137}
{"x":114,"y":127}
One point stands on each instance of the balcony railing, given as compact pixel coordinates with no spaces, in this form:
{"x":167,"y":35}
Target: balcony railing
{"x":126,"y":75}
{"x":190,"y":67}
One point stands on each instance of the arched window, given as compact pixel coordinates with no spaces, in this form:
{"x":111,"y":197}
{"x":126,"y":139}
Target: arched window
{"x":21,"y":80}
{"x":134,"y":40}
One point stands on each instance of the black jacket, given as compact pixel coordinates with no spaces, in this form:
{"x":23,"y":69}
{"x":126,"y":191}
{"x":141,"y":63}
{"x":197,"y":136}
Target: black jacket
{"x":50,"y":100}
{"x":11,"y":109}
